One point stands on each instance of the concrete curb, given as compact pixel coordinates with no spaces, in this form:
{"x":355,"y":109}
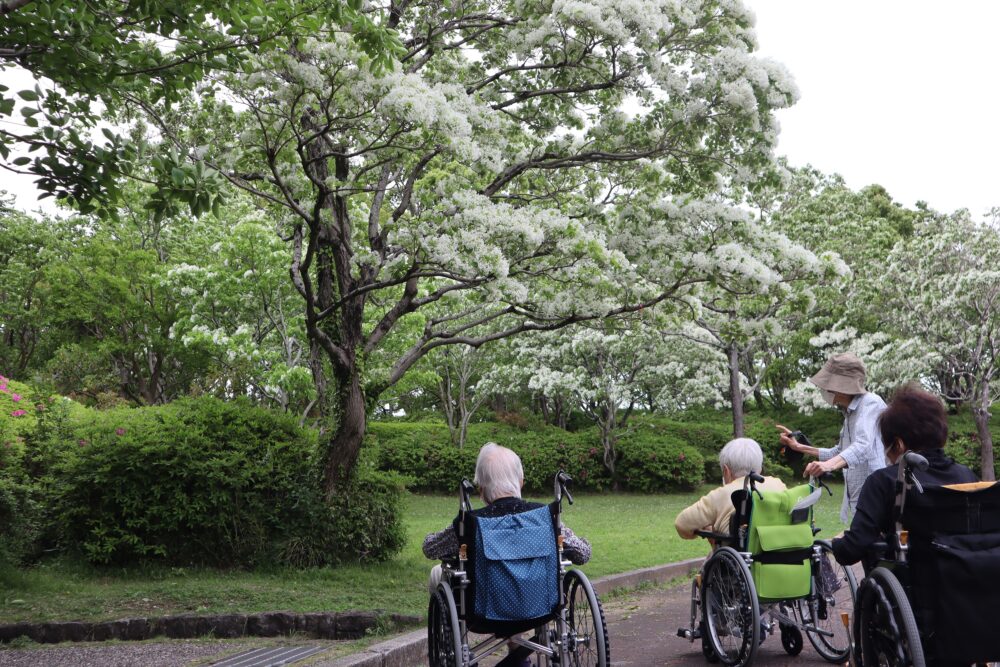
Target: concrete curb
{"x":321,"y":625}
{"x":411,"y":649}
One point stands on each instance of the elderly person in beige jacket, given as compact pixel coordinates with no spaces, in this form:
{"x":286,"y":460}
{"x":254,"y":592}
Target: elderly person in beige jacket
{"x":738,"y":458}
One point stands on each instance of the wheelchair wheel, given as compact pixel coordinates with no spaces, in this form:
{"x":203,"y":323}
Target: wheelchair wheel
{"x":886,"y":633}
{"x":729,"y":608}
{"x":834,"y":590}
{"x":791,"y":639}
{"x":706,"y":646}
{"x":444,"y":639}
{"x":588,"y":644}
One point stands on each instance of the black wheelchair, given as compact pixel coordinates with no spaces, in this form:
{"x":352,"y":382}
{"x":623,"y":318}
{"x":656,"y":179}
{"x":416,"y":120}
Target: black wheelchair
{"x":770,"y":573}
{"x":928,"y":594}
{"x":570,"y":632}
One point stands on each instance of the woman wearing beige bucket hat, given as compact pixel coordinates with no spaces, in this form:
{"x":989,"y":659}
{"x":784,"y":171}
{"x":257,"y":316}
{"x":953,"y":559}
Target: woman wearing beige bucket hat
{"x":859,"y":450}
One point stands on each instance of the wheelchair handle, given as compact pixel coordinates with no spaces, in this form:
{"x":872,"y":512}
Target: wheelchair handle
{"x":750,"y":481}
{"x":915,"y":461}
{"x":466,"y":489}
{"x":560,"y":487}
{"x":818,"y":482}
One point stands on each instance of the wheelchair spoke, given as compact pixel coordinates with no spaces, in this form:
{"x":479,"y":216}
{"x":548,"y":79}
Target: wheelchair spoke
{"x":833,"y":591}
{"x":587,"y":639}
{"x":730,"y":615}
{"x":888,"y":633}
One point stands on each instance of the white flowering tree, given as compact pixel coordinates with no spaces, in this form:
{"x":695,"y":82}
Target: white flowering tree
{"x":762,"y":287}
{"x":493,"y":161}
{"x":246,"y":314}
{"x":942,"y":290}
{"x":461,"y":386}
{"x":610,"y":370}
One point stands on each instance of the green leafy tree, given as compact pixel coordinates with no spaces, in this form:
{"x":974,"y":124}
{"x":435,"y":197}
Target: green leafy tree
{"x":27,"y":247}
{"x":100,"y":54}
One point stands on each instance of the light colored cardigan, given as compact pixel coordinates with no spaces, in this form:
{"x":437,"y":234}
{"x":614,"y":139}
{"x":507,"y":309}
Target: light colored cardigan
{"x":714,"y":509}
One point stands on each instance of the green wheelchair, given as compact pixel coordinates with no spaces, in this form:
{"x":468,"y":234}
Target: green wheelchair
{"x":770,"y":574}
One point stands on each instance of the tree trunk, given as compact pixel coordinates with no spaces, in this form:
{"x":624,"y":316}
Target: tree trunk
{"x":981,"y":413}
{"x":608,"y":441}
{"x":735,"y":392}
{"x":345,"y":443}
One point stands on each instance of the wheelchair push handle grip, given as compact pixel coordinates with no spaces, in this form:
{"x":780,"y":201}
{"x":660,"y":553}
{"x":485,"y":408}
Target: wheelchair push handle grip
{"x":817,"y":481}
{"x":466,"y":490}
{"x":756,"y":478}
{"x":561,"y":486}
{"x":915,"y":461}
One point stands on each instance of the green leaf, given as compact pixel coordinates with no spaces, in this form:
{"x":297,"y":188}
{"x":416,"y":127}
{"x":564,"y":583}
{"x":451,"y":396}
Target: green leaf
{"x":28,"y":95}
{"x":21,"y":161}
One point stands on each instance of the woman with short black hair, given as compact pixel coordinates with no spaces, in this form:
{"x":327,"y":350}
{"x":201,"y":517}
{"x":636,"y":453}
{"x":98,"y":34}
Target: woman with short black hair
{"x":913,"y":421}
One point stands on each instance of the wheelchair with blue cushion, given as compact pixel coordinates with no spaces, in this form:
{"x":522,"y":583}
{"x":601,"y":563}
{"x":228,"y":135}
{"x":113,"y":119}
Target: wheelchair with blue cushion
{"x":770,"y":573}
{"x":929,"y":597}
{"x":510,"y":578}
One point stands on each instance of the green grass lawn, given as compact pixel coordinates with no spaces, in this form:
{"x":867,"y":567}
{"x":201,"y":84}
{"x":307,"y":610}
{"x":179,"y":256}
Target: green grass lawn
{"x":626,"y":531}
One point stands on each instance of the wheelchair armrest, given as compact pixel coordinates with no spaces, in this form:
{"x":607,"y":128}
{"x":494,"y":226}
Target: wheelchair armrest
{"x":718,"y":537}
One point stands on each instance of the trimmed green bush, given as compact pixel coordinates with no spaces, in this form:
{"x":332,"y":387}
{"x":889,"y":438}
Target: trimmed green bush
{"x":202,"y":481}
{"x":655,"y":465}
{"x":424,"y":455}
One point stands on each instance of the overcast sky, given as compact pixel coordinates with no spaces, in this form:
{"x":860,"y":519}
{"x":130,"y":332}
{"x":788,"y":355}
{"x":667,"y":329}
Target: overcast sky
{"x":901,"y":93}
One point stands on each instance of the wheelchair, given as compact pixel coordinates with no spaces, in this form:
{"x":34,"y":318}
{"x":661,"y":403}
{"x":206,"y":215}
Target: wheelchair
{"x":770,"y":574}
{"x":929,"y":590}
{"x":510,"y":579}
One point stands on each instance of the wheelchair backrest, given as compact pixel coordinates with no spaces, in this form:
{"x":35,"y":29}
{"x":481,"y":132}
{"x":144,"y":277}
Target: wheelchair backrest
{"x":516,"y":566}
{"x":953,"y":509}
{"x":954,"y":568}
{"x":780,"y":538}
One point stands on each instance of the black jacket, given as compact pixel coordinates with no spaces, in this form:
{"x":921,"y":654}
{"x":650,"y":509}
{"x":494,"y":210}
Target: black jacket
{"x":873,"y":521}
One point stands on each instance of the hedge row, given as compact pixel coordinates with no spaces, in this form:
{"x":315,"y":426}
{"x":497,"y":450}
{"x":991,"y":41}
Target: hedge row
{"x":648,"y":462}
{"x":197,"y":481}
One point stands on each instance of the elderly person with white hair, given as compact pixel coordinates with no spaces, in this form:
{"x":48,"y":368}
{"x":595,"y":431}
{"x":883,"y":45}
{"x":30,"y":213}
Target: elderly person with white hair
{"x":712,"y":512}
{"x":499,"y":476}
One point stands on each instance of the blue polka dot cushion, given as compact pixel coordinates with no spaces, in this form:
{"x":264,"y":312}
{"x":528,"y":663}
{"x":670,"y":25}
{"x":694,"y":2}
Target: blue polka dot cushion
{"x":517,"y":564}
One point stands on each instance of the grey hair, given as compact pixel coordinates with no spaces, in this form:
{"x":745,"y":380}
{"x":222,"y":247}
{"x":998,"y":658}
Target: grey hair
{"x":498,"y":472}
{"x":742,"y":456}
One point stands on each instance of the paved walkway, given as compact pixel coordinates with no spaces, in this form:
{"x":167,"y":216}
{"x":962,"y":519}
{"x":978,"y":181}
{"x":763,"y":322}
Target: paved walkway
{"x":643,"y":632}
{"x":642,"y":626}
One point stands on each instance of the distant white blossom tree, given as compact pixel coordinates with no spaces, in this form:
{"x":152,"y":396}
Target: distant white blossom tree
{"x":764,"y":290}
{"x":942,"y":290}
{"x":608,"y":371}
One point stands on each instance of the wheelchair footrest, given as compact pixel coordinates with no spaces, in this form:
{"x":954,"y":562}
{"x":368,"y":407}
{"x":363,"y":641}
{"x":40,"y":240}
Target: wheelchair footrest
{"x":689,"y":634}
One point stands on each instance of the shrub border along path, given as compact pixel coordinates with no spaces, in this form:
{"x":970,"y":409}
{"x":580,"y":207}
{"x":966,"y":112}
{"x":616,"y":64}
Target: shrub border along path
{"x":411,"y":649}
